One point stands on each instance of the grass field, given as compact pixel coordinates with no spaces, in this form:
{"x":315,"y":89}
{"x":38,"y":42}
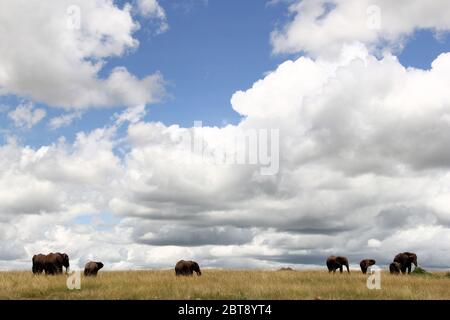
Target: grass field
{"x":221,"y":284}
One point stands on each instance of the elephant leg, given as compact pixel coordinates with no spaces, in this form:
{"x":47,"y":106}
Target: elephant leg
{"x":50,"y":269}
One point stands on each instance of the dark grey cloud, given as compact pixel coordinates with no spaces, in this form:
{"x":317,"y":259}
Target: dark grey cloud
{"x":403,"y":217}
{"x":176,"y":234}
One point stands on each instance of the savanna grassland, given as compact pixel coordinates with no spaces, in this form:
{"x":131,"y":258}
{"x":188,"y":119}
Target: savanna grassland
{"x":225,"y":284}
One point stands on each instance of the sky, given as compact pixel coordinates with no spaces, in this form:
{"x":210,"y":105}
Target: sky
{"x":99,"y":110}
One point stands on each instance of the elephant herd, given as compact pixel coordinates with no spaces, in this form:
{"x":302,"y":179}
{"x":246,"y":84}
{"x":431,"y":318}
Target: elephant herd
{"x":402,"y":263}
{"x":53,"y":263}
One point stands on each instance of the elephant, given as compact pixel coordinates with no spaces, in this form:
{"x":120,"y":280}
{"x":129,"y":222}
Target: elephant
{"x":405,"y":260}
{"x":334,"y":263}
{"x":394,"y":268}
{"x":187,"y":268}
{"x":54,"y":263}
{"x":91,"y":268}
{"x":365,"y":264}
{"x":38,"y":263}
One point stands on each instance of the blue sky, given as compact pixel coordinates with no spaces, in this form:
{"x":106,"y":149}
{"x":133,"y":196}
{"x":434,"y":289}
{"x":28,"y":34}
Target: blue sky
{"x":210,"y":52}
{"x":423,"y":48}
{"x":212,"y":49}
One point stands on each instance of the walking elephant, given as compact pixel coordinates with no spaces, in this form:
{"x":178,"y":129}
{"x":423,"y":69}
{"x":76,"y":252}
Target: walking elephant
{"x":91,"y":268}
{"x":365,"y":264}
{"x":187,"y":268}
{"x":394,"y":268}
{"x":54,"y":263}
{"x":406,"y":259}
{"x":334,"y":263}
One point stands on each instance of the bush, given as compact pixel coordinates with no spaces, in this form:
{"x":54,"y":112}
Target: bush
{"x":286,"y":269}
{"x":420,"y":271}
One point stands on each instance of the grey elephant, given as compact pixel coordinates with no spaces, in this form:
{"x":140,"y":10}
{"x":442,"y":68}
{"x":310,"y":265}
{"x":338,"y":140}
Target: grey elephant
{"x":334,"y":263}
{"x":54,"y":263}
{"x":187,"y":268}
{"x":406,"y":259}
{"x":91,"y":268}
{"x":365,"y":264}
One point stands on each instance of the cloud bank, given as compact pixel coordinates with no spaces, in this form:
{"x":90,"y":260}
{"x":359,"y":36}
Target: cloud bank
{"x":364,"y":172}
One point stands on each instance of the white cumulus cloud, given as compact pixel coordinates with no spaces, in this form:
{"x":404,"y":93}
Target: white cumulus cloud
{"x":322,"y":27}
{"x":64,"y":120}
{"x":26,"y":116}
{"x":52,"y":52}
{"x":153,"y":10}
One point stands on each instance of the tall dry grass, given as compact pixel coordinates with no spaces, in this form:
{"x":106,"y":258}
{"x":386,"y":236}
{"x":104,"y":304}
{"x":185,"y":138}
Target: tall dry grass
{"x":224,"y":284}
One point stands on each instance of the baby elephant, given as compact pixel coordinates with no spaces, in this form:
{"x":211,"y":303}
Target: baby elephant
{"x":91,"y":268}
{"x":366,"y":264}
{"x":395,"y":267}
